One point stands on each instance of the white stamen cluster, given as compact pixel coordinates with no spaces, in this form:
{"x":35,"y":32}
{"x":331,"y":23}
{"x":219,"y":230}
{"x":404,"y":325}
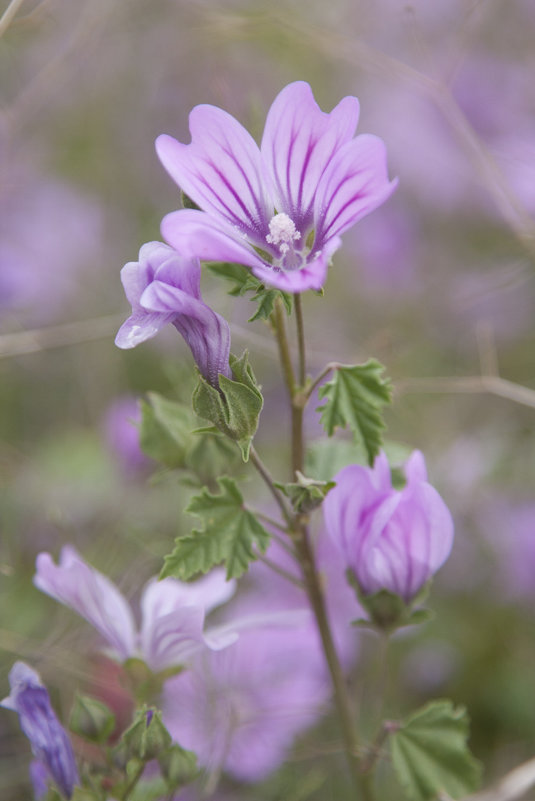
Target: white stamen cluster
{"x":282,"y":232}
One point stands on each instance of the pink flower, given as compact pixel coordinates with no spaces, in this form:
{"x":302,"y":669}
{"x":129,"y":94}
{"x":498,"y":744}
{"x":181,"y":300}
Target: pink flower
{"x":164,"y":287}
{"x":392,"y":540}
{"x":172,"y":612}
{"x":280,"y":208}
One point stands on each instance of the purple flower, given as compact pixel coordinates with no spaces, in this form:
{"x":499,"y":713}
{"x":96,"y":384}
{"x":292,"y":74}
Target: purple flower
{"x":50,"y":743}
{"x":241,"y":709}
{"x":392,"y":540}
{"x":172,"y":612}
{"x":164,"y":287}
{"x":279,"y":209}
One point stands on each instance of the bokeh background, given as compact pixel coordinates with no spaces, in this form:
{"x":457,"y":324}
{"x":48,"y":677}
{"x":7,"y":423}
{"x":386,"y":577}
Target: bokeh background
{"x":438,"y":284}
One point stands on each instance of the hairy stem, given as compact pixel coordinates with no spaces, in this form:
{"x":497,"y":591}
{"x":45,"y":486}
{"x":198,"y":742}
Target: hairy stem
{"x":341,"y":696}
{"x":300,"y":536}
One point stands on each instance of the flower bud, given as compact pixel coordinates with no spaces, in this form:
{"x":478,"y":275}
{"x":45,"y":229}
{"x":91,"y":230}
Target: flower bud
{"x":392,"y":540}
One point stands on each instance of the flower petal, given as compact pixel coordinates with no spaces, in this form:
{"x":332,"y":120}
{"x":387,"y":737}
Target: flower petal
{"x":82,"y":588}
{"x":311,"y":276}
{"x":221,"y":170}
{"x":205,"y":331}
{"x":173,"y":617}
{"x":140,"y":327}
{"x":195,"y":233}
{"x":355,"y":183}
{"x":299,"y":142}
{"x":49,"y":740}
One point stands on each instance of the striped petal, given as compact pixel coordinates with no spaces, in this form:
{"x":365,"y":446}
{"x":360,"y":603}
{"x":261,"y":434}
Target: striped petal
{"x":299,"y":142}
{"x":220,"y":170}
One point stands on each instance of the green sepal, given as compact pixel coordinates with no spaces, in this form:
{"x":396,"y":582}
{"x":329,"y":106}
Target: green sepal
{"x":354,"y":397}
{"x":229,"y":533}
{"x":179,"y":767}
{"x":430,"y":753}
{"x":244,"y":281}
{"x":235,"y":408}
{"x":91,"y":719}
{"x":147,"y":737}
{"x":306,"y":494}
{"x":388,"y":611}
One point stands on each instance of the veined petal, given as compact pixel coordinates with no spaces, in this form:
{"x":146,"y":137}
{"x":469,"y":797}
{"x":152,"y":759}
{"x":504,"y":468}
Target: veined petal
{"x":49,"y":740}
{"x":355,"y":183}
{"x":205,"y":331}
{"x":311,"y":276}
{"x":77,"y":585}
{"x":173,"y":616}
{"x":172,"y":639}
{"x":220,"y":170}
{"x":299,"y":142}
{"x":195,"y":233}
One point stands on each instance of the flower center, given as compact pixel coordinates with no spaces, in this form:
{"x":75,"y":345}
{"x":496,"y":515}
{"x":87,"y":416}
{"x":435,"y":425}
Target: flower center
{"x":282,"y":233}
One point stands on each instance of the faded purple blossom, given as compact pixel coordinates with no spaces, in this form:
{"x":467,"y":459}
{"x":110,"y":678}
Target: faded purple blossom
{"x":393,"y":540}
{"x":280,"y":208}
{"x":164,"y":287}
{"x":50,"y":743}
{"x":120,"y":428}
{"x":172,"y":612}
{"x":241,"y":709}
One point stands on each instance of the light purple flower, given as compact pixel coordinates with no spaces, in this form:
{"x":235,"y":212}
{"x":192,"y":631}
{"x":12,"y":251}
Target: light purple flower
{"x":279,"y":209}
{"x":120,"y":428}
{"x":164,"y":287}
{"x":172,"y":612}
{"x":392,"y":540}
{"x":50,"y":743}
{"x":241,"y":709}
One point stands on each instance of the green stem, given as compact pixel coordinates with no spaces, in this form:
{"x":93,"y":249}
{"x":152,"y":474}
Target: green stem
{"x":341,"y":695}
{"x":266,"y":475}
{"x":306,"y":555}
{"x":300,"y":340}
{"x":279,"y":327}
{"x":132,"y":784}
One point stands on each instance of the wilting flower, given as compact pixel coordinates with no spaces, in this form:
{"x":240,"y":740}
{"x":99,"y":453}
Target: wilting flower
{"x":164,"y":287}
{"x":50,"y":743}
{"x":392,"y":540}
{"x":279,"y":209}
{"x":241,"y":709}
{"x":172,"y":612}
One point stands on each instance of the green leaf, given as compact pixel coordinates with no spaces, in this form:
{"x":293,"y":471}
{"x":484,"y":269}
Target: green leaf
{"x":235,"y":407}
{"x":229,"y":533}
{"x":354,"y":397}
{"x":306,"y":494}
{"x":242,"y":278}
{"x":430,"y":754}
{"x":165,"y":430}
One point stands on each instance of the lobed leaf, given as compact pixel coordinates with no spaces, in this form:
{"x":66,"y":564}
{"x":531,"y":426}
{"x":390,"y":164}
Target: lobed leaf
{"x":430,"y":754}
{"x":354,"y":397}
{"x":230,"y":531}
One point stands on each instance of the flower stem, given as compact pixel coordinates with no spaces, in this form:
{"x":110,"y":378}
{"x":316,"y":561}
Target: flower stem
{"x":279,"y":328}
{"x":341,"y":696}
{"x":300,"y":340}
{"x":301,"y":538}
